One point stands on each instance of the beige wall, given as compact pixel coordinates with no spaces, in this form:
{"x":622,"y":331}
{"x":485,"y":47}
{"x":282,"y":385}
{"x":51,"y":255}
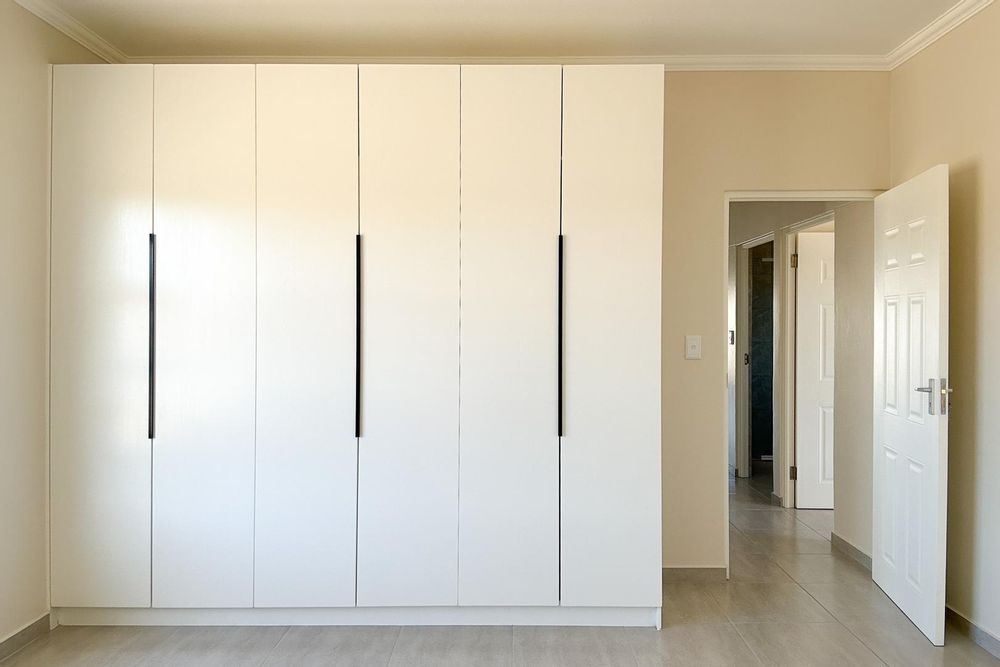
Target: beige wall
{"x":854,"y":369}
{"x":738,"y":131}
{"x":27,"y":46}
{"x":946,"y":108}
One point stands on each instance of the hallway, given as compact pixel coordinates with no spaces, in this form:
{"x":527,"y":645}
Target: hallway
{"x":791,"y":600}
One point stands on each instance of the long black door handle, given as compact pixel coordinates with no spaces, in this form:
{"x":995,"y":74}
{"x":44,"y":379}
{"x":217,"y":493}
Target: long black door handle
{"x":151,"y":417}
{"x":357,"y":336}
{"x":559,"y":370}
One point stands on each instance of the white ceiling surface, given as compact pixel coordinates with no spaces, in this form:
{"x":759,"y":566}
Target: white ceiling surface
{"x":503,"y":28}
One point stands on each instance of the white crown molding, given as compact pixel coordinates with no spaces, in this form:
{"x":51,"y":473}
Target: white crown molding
{"x":941,"y":26}
{"x":935,"y":30}
{"x":73,"y":29}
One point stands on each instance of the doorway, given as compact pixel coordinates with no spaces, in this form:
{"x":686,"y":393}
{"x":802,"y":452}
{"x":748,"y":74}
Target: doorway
{"x":760,"y":360}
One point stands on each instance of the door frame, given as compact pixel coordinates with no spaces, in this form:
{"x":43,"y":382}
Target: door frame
{"x":784,"y":420}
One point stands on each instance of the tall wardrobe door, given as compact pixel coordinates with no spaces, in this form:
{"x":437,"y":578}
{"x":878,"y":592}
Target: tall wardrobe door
{"x":408,"y":450}
{"x":612,"y":218}
{"x":509,"y":501}
{"x":203,"y":453}
{"x":307,"y":222}
{"x":102,"y":197}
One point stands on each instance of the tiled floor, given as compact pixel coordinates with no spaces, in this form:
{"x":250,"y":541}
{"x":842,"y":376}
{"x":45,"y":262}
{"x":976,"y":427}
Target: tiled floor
{"x":790,"y":601}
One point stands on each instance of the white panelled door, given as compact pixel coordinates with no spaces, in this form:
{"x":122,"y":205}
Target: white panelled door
{"x":102,"y":215}
{"x":911,"y":398}
{"x":814,"y":338}
{"x":307,"y":221}
{"x":509,"y":500}
{"x":408,"y":450}
{"x":612,"y":222}
{"x":203,"y":452}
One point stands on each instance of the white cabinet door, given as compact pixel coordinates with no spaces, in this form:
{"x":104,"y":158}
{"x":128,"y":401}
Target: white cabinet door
{"x":102,"y":198}
{"x":408,"y":451}
{"x":814,"y":340}
{"x":509,"y":501}
{"x":203,"y":453}
{"x":612,"y":184}
{"x":307,"y":221}
{"x":910,"y":480}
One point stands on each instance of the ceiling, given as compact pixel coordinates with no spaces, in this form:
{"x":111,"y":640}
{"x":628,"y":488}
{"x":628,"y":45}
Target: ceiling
{"x":501,"y":28}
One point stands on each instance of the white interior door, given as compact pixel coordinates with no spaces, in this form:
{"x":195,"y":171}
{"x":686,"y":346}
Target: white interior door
{"x":102,"y":215}
{"x":612,"y":222}
{"x":911,"y":401}
{"x":509,"y":500}
{"x":307,"y":221}
{"x":408,"y":450}
{"x":814,"y":337}
{"x":203,"y":452}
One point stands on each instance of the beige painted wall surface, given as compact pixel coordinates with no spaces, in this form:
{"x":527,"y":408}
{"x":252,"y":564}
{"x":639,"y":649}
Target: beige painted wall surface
{"x":945,"y":105}
{"x":738,"y":131}
{"x":27,"y":46}
{"x":854,"y":268}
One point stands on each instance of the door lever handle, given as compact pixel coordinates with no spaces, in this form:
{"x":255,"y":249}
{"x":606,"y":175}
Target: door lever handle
{"x":929,"y":390}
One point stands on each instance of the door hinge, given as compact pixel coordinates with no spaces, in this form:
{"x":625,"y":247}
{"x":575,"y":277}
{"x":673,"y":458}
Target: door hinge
{"x":793,"y":473}
{"x":795,"y":260}
{"x":746,"y":359}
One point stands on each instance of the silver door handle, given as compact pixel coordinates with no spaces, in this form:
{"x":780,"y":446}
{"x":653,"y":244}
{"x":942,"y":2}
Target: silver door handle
{"x":929,"y":390}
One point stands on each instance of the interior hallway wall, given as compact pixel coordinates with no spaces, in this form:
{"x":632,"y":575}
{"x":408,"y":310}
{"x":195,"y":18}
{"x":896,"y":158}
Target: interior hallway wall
{"x":27,"y":47}
{"x":854,"y":368}
{"x":738,"y":131}
{"x":944,"y":110}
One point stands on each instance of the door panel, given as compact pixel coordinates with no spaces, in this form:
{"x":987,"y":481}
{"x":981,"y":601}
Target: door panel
{"x":814,"y":379}
{"x":102,"y":198}
{"x":911,"y":427}
{"x":509,"y":500}
{"x":408,"y":451}
{"x":307,"y":219}
{"x":612,"y":220}
{"x":203,"y":455}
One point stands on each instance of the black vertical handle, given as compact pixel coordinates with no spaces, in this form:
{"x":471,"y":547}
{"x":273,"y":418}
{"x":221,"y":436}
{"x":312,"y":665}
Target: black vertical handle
{"x":151,"y":417}
{"x":559,"y":382}
{"x":357,"y":336}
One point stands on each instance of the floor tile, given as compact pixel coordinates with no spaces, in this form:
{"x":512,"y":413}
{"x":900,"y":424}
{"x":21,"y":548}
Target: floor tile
{"x":231,"y":646}
{"x":707,"y":645}
{"x":92,"y":646}
{"x":334,"y":646}
{"x":767,"y":602}
{"x":740,"y":542}
{"x":850,"y":598}
{"x":800,"y":540}
{"x":814,"y":644}
{"x":756,"y":569}
{"x":469,"y":646}
{"x":819,"y":520}
{"x":753,"y":521}
{"x":690,"y":604}
{"x":571,"y":647}
{"x":822,"y":568}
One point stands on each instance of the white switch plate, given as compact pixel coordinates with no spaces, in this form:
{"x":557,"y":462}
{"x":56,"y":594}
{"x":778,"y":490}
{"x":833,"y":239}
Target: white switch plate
{"x":692,"y":347}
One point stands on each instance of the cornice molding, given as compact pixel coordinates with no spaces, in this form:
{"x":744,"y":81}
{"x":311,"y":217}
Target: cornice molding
{"x":73,"y":29}
{"x":941,"y":26}
{"x":935,"y":30}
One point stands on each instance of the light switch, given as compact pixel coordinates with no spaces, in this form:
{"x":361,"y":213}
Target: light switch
{"x":692,"y":347}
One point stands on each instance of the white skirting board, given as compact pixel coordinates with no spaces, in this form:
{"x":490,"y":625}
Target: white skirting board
{"x":573,"y":616}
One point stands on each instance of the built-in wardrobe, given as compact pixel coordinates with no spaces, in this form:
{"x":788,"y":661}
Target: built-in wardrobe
{"x":353,"y":344}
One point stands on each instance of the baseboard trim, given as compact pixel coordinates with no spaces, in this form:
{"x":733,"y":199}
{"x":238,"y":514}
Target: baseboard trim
{"x":673,"y":575}
{"x":578,"y":616}
{"x":775,"y":499}
{"x":24,"y":636}
{"x":987,"y":641}
{"x":851,"y":551}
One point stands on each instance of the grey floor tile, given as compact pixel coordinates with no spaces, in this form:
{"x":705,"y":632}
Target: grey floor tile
{"x":213,"y":646}
{"x":756,"y":568}
{"x":708,"y":645}
{"x":571,"y":647}
{"x":740,"y":542}
{"x":87,"y":646}
{"x":822,"y":568}
{"x":468,"y":646}
{"x":814,"y":644}
{"x":850,"y":598}
{"x":779,"y":522}
{"x":690,"y":604}
{"x":744,"y":603}
{"x":819,"y":520}
{"x":335,"y":646}
{"x":799,"y":540}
